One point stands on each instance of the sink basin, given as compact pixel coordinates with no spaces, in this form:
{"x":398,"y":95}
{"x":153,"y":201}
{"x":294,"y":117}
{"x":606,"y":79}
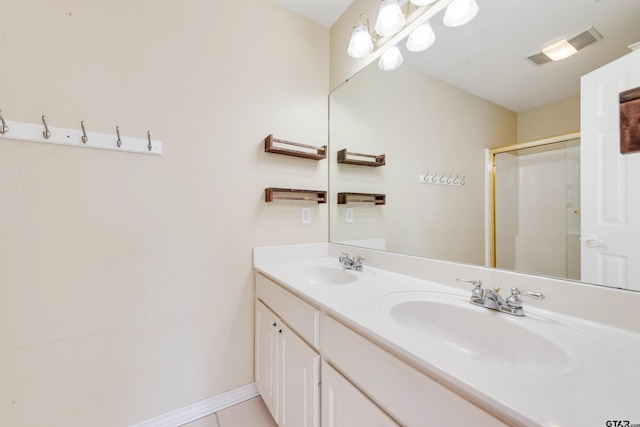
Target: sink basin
{"x":323,"y":275}
{"x":452,"y":323}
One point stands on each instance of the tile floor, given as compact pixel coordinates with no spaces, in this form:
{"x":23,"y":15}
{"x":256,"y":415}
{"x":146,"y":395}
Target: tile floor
{"x":252,"y":413}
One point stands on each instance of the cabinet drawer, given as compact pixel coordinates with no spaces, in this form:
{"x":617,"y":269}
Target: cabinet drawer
{"x":300,"y":316}
{"x":409,"y":396}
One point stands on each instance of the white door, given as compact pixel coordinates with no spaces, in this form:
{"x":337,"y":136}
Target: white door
{"x":610,"y":181}
{"x":299,"y":381}
{"x":266,"y":341}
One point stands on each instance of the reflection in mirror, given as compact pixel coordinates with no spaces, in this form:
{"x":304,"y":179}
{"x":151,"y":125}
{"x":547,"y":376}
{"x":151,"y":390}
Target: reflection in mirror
{"x":537,"y":209}
{"x":425,"y":126}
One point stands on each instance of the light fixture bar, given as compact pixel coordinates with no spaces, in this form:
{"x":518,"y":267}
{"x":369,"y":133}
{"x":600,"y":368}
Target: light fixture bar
{"x":410,"y":19}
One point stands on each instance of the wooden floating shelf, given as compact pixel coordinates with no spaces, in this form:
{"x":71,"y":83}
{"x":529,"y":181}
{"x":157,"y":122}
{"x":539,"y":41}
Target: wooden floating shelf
{"x":377,"y":199}
{"x":271,"y":194}
{"x":343,"y":157}
{"x":315,"y":153}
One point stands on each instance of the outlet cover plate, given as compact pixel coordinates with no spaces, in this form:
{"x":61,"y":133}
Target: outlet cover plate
{"x":306,"y":216}
{"x":349,"y":215}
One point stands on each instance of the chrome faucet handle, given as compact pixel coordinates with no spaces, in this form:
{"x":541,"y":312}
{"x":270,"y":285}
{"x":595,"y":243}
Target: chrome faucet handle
{"x":472,"y":282}
{"x":534,"y":295}
{"x":477,"y":291}
{"x":358,"y":258}
{"x":344,"y":256}
{"x":514,"y":301}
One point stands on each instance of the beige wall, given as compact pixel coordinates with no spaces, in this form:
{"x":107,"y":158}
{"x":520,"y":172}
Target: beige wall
{"x":554,"y":119}
{"x":126,"y":280}
{"x":422,"y":125}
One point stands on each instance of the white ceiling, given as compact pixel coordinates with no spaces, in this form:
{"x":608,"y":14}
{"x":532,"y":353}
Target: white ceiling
{"x":486,"y":56}
{"x":324,"y":12}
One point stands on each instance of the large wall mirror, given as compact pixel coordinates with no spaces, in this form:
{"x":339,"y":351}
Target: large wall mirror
{"x":437,"y":116}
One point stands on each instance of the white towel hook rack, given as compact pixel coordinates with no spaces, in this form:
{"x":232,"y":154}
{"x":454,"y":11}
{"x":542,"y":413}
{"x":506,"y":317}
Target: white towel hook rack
{"x":77,"y":138}
{"x":442,"y":179}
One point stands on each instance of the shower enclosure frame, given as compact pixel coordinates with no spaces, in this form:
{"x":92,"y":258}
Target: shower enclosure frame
{"x":491,"y":187}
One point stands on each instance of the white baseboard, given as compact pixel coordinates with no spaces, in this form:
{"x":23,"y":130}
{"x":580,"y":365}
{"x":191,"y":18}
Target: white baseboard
{"x":203,"y":408}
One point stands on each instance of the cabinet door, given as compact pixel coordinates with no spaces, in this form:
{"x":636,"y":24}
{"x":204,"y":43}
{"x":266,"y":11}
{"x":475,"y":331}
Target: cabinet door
{"x":343,"y":405}
{"x":266,"y":368}
{"x":299,"y":381}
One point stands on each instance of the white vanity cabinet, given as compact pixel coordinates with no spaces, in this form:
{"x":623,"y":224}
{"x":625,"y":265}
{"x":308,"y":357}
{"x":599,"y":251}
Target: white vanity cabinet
{"x":363,"y":385}
{"x":287,"y":369}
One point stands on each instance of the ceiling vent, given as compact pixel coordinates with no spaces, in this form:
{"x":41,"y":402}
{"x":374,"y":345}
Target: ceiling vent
{"x":579,"y":42}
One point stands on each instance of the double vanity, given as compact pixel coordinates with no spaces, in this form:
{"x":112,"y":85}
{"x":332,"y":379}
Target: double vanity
{"x":399,"y":342}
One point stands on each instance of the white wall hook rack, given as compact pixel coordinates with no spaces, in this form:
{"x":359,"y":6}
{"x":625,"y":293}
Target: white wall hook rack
{"x":75,"y":137}
{"x":442,"y":179}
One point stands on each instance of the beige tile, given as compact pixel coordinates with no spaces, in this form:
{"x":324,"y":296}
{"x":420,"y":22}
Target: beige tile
{"x":210,"y":421}
{"x":252,"y":413}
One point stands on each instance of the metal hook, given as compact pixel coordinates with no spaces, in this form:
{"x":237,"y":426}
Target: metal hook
{"x":46,"y":132}
{"x":85,"y":138}
{"x":149,"y":136}
{"x":456,"y":180}
{"x":3,"y":127}
{"x":118,"y":142}
{"x":450,"y":179}
{"x":462,"y":180}
{"x":442,"y":179}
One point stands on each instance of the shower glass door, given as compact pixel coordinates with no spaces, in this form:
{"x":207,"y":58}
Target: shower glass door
{"x":537,"y":209}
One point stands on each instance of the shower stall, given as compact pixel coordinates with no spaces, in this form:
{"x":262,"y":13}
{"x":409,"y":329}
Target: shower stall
{"x":536,"y":207}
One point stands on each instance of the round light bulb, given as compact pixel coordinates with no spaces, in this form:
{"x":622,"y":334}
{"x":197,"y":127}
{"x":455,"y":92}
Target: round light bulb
{"x":459,"y":12}
{"x":390,"y":18}
{"x":360,"y":44}
{"x":421,"y":38}
{"x":391,"y":59}
{"x":458,"y":9}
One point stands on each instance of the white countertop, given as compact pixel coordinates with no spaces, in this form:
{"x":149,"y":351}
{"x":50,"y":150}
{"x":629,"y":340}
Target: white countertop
{"x":599,"y":381}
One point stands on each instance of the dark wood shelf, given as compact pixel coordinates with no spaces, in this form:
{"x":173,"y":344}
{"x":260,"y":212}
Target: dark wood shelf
{"x":315,"y":153}
{"x":271,"y":194}
{"x":377,"y":199}
{"x":343,"y":157}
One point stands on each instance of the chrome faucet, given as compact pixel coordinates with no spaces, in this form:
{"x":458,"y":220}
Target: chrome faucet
{"x":491,"y":298}
{"x":351,"y":263}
